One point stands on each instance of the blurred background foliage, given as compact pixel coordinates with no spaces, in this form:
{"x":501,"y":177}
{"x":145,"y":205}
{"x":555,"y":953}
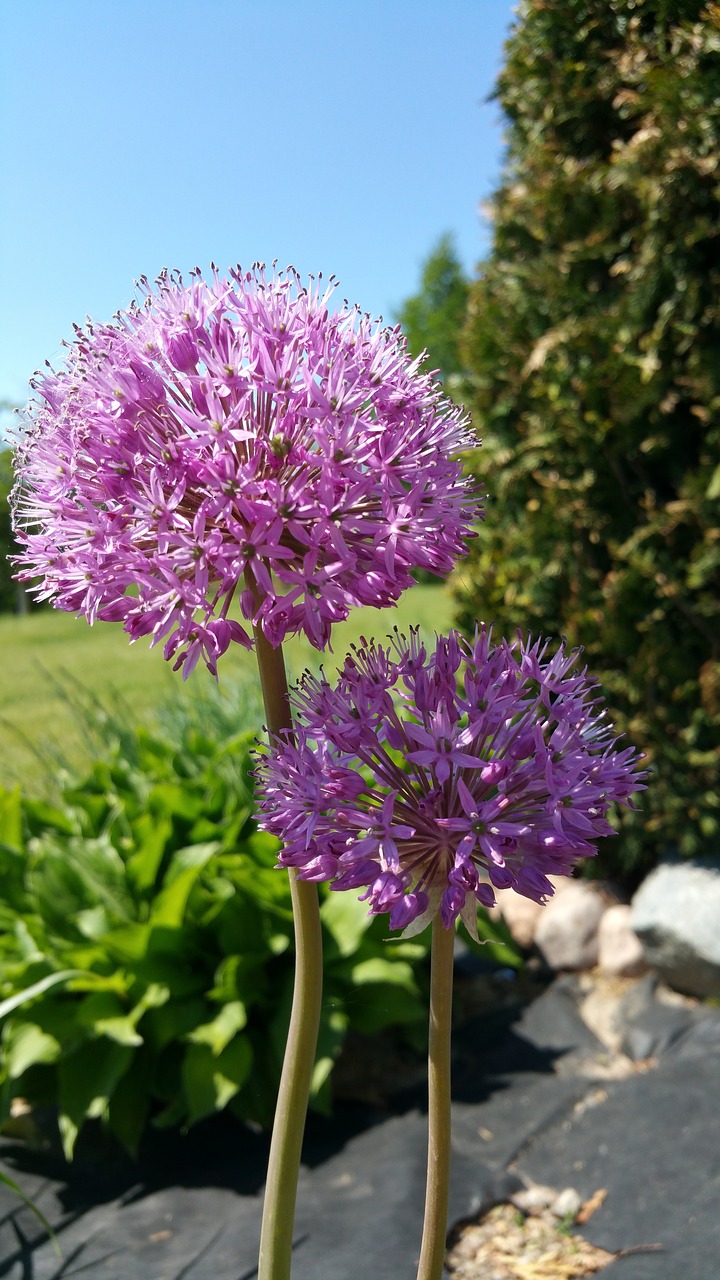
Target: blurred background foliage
{"x":592,"y":351}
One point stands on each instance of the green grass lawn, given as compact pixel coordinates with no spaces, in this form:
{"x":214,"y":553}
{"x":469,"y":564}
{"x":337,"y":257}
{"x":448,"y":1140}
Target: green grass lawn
{"x":47,"y":654}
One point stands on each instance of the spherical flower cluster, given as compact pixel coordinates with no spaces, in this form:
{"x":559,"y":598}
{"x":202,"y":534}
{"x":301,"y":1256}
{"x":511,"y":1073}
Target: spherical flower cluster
{"x":429,"y":781}
{"x":236,"y":440}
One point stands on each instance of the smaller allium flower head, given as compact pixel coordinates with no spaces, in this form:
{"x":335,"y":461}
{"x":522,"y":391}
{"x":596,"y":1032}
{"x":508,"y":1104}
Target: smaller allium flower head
{"x":430,"y":780}
{"x":235,"y":439}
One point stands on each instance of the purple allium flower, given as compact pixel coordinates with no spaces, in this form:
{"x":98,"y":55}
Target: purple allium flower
{"x":429,"y":781}
{"x":234,"y":439}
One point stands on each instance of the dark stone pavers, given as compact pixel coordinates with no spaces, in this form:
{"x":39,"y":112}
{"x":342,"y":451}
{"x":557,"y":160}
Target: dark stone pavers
{"x":527,"y":1107}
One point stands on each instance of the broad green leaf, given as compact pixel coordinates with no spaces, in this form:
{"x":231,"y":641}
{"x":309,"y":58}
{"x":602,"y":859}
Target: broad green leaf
{"x":25,"y":1045}
{"x":210,"y":1082}
{"x":154,"y":997}
{"x":27,"y":947}
{"x":94,"y":807}
{"x":174,"y":1115}
{"x":69,"y":1131}
{"x":92,"y":923}
{"x":102,"y":872}
{"x":129,"y":1106}
{"x":42,"y":816}
{"x":117,"y":982}
{"x":55,"y":1017}
{"x":80,"y":874}
{"x":152,"y":835}
{"x":242,"y":976}
{"x":103,"y":1014}
{"x":167,"y":798}
{"x":83,"y":955}
{"x":170,"y":963}
{"x":263,"y":848}
{"x":384,"y":1005}
{"x":227,"y":980}
{"x":330,"y":1041}
{"x":13,"y":868}
{"x":395,"y":972}
{"x":347,"y":920}
{"x":86,"y":1082}
{"x":218,"y":1033}
{"x":242,"y":926}
{"x":169,"y":906}
{"x":100,"y":1005}
{"x":174,"y":1020}
{"x":11,"y":833}
{"x":129,"y":943}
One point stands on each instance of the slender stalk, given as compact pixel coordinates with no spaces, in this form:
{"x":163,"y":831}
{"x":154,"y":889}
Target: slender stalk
{"x":289,"y":1124}
{"x":432,"y":1251}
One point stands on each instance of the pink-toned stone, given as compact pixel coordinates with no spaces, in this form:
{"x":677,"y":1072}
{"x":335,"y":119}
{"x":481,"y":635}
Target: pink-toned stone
{"x":620,"y":951}
{"x":520,"y":915}
{"x":567,"y":929}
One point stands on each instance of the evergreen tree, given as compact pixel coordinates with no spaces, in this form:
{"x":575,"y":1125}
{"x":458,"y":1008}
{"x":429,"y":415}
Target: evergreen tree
{"x":10,"y":592}
{"x":13,"y":596}
{"x":593,"y":341}
{"x":432,"y":319}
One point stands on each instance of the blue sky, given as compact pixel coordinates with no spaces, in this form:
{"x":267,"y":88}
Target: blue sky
{"x":136,"y":134}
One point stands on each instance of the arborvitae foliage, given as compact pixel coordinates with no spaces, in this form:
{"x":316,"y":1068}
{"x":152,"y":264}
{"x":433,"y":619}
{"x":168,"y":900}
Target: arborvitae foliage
{"x":594,"y":344}
{"x":12,"y":596}
{"x":432,"y":319}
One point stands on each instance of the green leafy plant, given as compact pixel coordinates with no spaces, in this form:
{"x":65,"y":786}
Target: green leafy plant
{"x":145,"y":943}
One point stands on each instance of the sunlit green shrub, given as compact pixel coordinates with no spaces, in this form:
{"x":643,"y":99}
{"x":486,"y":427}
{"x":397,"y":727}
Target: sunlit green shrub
{"x":592,"y":341}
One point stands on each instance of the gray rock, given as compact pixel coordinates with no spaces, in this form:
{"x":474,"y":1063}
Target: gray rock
{"x":553,"y":1021}
{"x":654,"y":1029}
{"x":654,"y":1020}
{"x":676,"y":915}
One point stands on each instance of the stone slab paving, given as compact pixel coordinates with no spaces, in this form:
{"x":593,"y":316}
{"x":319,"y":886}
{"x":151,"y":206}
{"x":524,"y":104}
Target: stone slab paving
{"x":535,"y":1101}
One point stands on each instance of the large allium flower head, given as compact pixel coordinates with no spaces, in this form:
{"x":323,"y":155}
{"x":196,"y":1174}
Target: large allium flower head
{"x":236,"y":440}
{"x":430,"y":780}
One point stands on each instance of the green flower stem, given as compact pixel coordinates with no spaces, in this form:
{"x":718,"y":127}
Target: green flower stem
{"x":289,"y":1125}
{"x":432,"y":1252}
